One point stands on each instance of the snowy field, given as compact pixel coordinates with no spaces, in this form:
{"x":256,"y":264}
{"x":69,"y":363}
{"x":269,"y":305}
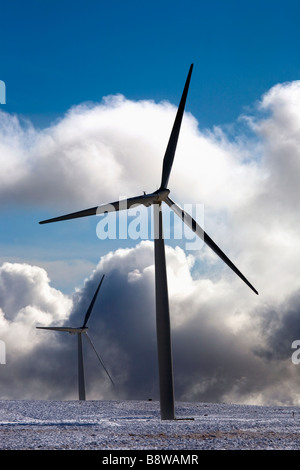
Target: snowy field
{"x":127,"y":425}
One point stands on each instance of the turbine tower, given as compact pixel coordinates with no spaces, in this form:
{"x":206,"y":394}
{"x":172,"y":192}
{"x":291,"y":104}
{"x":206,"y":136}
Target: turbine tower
{"x":161,"y":287}
{"x":79,"y":332}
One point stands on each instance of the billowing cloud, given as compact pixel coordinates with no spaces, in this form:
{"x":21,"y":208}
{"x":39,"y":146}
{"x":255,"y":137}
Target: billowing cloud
{"x":228,"y":343}
{"x":99,"y":152}
{"x":219,"y":353}
{"x":26,"y":298}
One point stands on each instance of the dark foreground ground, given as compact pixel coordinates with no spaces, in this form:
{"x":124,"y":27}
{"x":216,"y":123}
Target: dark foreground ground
{"x":136,"y":425}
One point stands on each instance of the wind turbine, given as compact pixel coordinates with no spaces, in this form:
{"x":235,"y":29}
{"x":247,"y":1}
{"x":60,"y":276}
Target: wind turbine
{"x":79,"y":332}
{"x":161,"y":288}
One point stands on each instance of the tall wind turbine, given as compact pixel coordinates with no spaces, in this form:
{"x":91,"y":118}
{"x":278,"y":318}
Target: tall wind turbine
{"x":79,"y":332}
{"x":162,"y":302}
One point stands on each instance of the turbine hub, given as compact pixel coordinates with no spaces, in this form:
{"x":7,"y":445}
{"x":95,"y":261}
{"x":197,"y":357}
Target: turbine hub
{"x":162,"y":194}
{"x":77,"y":331}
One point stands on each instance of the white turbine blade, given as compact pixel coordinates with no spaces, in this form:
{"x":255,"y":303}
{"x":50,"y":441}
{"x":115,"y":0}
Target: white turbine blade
{"x":186,"y":218}
{"x":99,"y":358}
{"x":89,"y":311}
{"x":56,"y":328}
{"x":124,"y":204}
{"x":203,"y":235}
{"x":145,"y":199}
{"x":73,"y":215}
{"x":171,"y":148}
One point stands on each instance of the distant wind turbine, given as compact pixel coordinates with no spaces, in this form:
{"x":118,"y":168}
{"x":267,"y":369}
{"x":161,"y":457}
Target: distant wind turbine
{"x":162,"y":302}
{"x":79,"y":332}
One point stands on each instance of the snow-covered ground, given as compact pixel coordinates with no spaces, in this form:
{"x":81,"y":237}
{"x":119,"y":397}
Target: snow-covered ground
{"x":123,"y":425}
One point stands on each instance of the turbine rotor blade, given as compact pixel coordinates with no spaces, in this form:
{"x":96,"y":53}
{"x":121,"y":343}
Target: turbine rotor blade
{"x":124,"y":204}
{"x":186,"y":218}
{"x":58,"y":328}
{"x":145,"y":199}
{"x":195,"y":227}
{"x":73,"y":215}
{"x":171,"y":148}
{"x":89,"y":310}
{"x":99,"y":358}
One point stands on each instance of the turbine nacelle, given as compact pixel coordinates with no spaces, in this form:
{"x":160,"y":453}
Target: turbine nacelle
{"x":145,"y":199}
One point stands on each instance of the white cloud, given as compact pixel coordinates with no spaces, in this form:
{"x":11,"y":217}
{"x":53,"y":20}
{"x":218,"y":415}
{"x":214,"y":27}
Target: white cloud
{"x":26,"y":298}
{"x":99,"y":152}
{"x":22,"y":285}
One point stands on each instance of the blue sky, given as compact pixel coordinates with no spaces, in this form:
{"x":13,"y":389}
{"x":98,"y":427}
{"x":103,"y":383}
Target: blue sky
{"x":91,"y":93}
{"x":55,"y":55}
